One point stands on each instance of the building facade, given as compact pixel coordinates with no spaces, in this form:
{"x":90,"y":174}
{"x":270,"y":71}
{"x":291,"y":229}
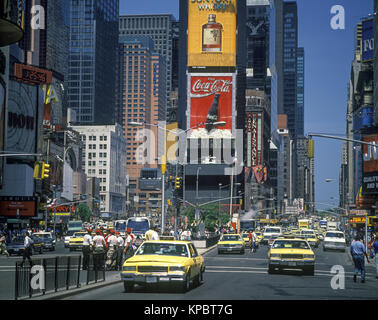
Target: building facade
{"x":92,"y":60}
{"x":104,"y":157}
{"x":142,"y":100}
{"x":162,"y":29}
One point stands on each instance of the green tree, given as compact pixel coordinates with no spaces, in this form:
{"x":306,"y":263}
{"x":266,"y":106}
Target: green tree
{"x":209,"y":214}
{"x":83,"y":212}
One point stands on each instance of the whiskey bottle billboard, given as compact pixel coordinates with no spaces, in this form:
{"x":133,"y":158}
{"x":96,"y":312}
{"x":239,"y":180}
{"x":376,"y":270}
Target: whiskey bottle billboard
{"x":212,"y":35}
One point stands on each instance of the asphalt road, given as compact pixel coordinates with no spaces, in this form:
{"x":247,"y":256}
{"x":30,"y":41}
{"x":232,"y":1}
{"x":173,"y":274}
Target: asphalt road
{"x":245,"y":277}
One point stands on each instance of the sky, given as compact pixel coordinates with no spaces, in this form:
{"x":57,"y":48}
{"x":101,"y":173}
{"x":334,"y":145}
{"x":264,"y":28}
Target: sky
{"x":328,"y":58}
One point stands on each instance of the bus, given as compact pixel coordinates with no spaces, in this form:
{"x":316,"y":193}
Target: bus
{"x":120,"y":226}
{"x":138,"y":225}
{"x":247,"y":224}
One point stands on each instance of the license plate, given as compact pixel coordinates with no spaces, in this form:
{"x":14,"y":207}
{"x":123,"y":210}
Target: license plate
{"x":291,"y":263}
{"x":229,"y":249}
{"x":151,"y":279}
{"x":16,"y":250}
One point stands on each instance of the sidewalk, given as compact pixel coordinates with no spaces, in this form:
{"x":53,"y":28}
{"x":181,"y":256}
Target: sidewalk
{"x":111,"y":277}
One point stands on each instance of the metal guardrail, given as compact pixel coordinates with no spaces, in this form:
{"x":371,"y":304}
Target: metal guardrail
{"x":54,"y":274}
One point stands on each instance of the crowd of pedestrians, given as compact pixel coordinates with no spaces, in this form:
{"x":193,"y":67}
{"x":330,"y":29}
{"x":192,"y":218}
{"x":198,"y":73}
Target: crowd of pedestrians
{"x":109,"y":249}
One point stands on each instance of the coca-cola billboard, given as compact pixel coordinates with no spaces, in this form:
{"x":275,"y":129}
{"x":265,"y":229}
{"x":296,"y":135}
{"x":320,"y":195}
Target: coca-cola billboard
{"x":211,"y":99}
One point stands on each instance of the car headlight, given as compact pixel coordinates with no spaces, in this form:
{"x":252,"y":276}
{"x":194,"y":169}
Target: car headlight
{"x":275,"y":255}
{"x":129,"y":268}
{"x":308,"y":256}
{"x":177,"y":269}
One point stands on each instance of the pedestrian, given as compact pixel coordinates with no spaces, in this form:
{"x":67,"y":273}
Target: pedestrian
{"x":87,"y":243}
{"x":111,"y":254}
{"x":358,"y":252}
{"x":128,"y":250}
{"x":120,"y":245}
{"x":28,"y":242}
{"x":149,"y":232}
{"x":155,"y":235}
{"x":98,"y":251}
{"x":3,"y":247}
{"x":375,"y":250}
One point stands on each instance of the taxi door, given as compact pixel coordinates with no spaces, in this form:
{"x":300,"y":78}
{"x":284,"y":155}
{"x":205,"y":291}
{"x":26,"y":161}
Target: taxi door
{"x":196,"y":260}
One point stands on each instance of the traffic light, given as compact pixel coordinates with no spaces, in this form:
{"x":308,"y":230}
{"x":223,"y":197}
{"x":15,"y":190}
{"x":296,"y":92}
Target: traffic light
{"x":310,"y":149}
{"x":178,"y":183}
{"x":37,"y":170}
{"x":45,"y":170}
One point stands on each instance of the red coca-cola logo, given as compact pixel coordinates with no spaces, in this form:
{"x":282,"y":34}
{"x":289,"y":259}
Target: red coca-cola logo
{"x":211,"y":87}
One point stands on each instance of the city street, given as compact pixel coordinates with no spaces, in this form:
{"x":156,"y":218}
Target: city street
{"x":245,"y":277}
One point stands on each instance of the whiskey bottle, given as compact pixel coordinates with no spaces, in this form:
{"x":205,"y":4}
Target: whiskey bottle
{"x":212,"y":35}
{"x":213,"y":114}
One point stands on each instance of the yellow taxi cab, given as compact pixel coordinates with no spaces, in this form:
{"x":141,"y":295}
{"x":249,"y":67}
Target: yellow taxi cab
{"x":76,"y":241}
{"x":231,"y":243}
{"x":311,"y":237}
{"x":259,"y":236}
{"x":291,"y":253}
{"x":245,"y":237}
{"x":161,"y":262}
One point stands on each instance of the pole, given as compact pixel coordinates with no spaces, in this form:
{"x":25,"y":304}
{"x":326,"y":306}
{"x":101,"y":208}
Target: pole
{"x":162,"y":205}
{"x":219,"y":215}
{"x":366,"y":230}
{"x":231,"y":193}
{"x":198,"y":169}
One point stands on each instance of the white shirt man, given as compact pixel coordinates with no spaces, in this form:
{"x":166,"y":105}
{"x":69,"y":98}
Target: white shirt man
{"x":99,"y":241}
{"x":120,"y":241}
{"x":87,"y":240}
{"x":112,"y":241}
{"x":155,"y":236}
{"x":28,"y":242}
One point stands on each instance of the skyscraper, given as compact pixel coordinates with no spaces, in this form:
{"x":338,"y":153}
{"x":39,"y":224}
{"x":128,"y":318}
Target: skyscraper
{"x":142,"y":100}
{"x":161,"y":28}
{"x":300,"y":91}
{"x":92,"y":60}
{"x":289,"y":54}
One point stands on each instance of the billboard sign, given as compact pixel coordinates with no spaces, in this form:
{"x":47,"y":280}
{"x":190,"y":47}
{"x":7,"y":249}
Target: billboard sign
{"x":367,"y":44}
{"x":18,"y":206}
{"x":212,"y":33}
{"x":254,"y":139}
{"x":211,"y":99}
{"x":370,"y":165}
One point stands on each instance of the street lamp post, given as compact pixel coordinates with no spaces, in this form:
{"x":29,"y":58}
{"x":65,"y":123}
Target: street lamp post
{"x":196,"y":213}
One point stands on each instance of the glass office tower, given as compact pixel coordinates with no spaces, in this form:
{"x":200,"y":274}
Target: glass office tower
{"x":92,"y":60}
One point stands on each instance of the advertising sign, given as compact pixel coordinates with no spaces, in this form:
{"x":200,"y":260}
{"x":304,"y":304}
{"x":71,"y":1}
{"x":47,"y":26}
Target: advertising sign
{"x":24,"y":103}
{"x":18,"y":206}
{"x":32,"y":75}
{"x":212,"y":33}
{"x":370,"y":165}
{"x":254,"y":139}
{"x":367,"y":40}
{"x":211,"y":99}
